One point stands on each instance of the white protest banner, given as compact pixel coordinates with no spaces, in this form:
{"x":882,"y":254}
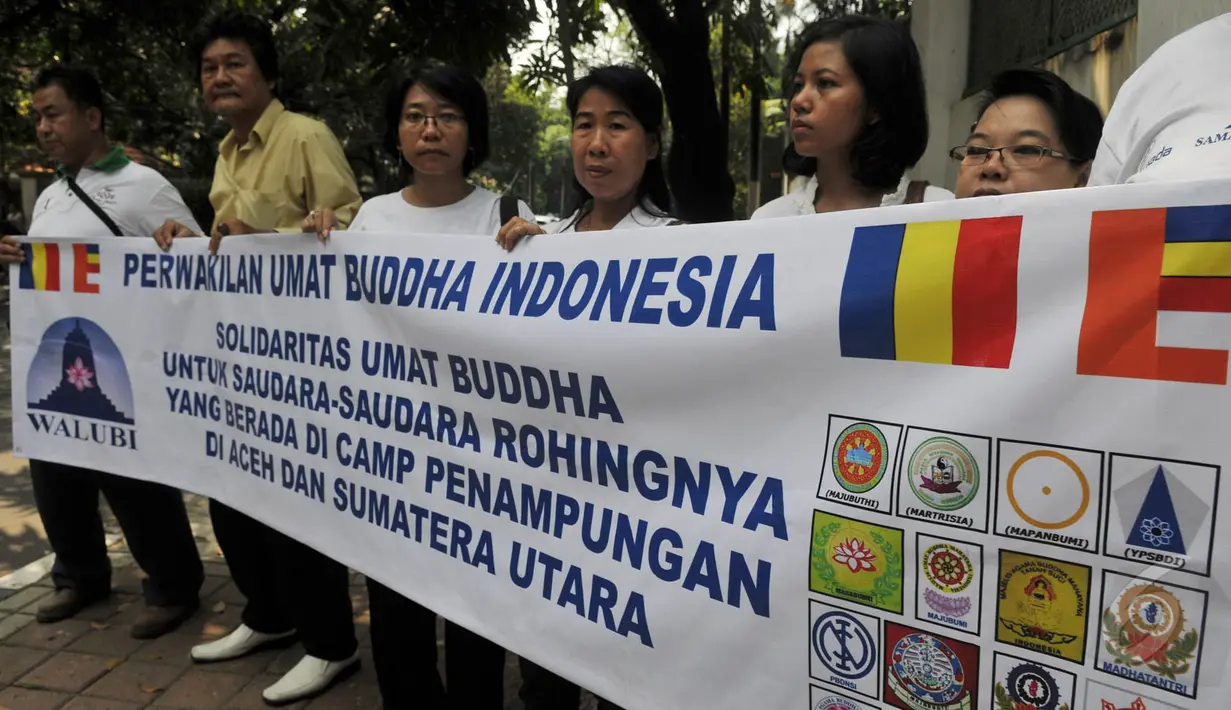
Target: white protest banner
{"x":962,"y":456}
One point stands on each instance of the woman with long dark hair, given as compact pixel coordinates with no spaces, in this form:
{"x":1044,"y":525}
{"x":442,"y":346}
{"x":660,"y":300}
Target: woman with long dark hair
{"x":618,"y":176}
{"x":437,"y":123}
{"x":858,"y":119}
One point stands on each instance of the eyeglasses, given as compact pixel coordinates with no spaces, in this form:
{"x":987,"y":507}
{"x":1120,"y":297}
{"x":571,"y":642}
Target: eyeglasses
{"x":447,"y":119}
{"x":1024,"y":156}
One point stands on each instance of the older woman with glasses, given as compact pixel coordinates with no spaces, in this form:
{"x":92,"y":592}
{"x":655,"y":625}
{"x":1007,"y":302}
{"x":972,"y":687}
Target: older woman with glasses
{"x":1034,"y":133}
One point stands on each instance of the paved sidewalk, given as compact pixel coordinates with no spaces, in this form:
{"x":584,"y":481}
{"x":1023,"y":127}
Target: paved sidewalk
{"x":90,"y":662}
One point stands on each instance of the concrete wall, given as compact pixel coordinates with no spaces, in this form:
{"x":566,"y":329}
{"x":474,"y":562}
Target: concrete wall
{"x":941,"y":29}
{"x":1160,"y":20}
{"x":1099,"y":66}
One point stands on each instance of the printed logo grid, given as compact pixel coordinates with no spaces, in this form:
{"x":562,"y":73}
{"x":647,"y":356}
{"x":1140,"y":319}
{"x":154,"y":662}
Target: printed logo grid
{"x":1066,"y":563}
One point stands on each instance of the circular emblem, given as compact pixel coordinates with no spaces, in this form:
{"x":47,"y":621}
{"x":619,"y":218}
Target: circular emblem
{"x":859,"y":459}
{"x":943,"y":474}
{"x":947,"y":568}
{"x":928,"y":669}
{"x":1032,"y":687}
{"x":1151,"y":612}
{"x":843,"y":645}
{"x":835,"y":702}
{"x":1045,"y":481}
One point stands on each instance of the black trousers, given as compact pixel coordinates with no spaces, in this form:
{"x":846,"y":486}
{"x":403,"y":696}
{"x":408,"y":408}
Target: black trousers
{"x":152,"y":516}
{"x":404,"y":652}
{"x":543,"y":690}
{"x":288,"y":585}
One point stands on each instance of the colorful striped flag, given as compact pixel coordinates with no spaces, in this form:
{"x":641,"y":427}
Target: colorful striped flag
{"x":85,"y":264}
{"x":1146,"y":261}
{"x":938,"y":292}
{"x":41,"y":269}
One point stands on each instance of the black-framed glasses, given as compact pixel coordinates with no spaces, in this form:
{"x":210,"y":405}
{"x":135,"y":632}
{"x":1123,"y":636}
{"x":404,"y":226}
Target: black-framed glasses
{"x":444,"y":119}
{"x":1015,"y":155}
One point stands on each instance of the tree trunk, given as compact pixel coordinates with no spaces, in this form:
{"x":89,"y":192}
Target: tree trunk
{"x":754,"y":116}
{"x":724,"y":95}
{"x":565,"y":24}
{"x":698,"y":174}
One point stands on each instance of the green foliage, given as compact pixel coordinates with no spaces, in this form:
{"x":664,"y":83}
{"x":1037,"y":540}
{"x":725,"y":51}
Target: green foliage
{"x":529,"y":139}
{"x":888,"y":9}
{"x":337,"y":59}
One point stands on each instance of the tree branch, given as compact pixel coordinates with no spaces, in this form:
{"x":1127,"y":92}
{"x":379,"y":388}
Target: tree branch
{"x":651,"y":20}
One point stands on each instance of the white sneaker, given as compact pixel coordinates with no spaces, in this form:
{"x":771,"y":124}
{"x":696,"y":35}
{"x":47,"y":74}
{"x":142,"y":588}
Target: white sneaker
{"x":309,"y":678}
{"x":239,"y":642}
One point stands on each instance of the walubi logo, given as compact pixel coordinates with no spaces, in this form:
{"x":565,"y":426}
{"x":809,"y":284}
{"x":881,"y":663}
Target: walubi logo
{"x":78,"y":386}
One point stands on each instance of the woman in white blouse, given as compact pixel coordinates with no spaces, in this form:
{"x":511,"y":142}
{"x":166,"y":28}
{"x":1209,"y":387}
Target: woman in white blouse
{"x":437,"y":122}
{"x":858,"y":119}
{"x":618,"y":177}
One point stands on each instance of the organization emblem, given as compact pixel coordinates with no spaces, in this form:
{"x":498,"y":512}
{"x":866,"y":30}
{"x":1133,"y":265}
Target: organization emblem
{"x":856,"y":561}
{"x":1105,"y":697}
{"x":835,"y":702}
{"x":943,"y":474}
{"x":1053,"y":513}
{"x":1157,"y":532}
{"x":1043,"y":605}
{"x":1049,"y":494}
{"x":948,"y":582}
{"x":859,"y":458}
{"x":1164,"y":510}
{"x":1148,"y":637}
{"x":78,"y":386}
{"x":844,"y":645}
{"x":949,"y":571}
{"x":948,"y":568}
{"x":1029,"y":687}
{"x":927,"y":672}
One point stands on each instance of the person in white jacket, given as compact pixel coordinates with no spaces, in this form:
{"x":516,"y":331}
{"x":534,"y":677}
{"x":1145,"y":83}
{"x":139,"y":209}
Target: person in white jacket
{"x":1172,"y":119}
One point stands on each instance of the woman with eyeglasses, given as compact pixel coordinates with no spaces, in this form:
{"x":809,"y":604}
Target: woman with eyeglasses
{"x":437,"y":125}
{"x":437,"y":122}
{"x":618,"y":176}
{"x":1034,"y":133}
{"x":858,"y":119}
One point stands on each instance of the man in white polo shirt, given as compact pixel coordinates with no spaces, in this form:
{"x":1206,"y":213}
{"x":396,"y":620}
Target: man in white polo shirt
{"x":101,"y":192}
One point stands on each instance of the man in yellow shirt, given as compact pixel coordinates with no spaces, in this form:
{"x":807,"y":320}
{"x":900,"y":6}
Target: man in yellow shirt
{"x":274,"y":167}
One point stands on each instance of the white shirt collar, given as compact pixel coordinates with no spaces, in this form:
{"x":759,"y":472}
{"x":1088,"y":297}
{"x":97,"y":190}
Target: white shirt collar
{"x":804,"y":198}
{"x":638,"y":218}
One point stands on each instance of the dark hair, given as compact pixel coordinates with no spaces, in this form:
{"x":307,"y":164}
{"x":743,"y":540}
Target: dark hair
{"x":79,"y":85}
{"x":1078,"y":119}
{"x":247,"y":28}
{"x":886,"y":62}
{"x":643,"y":97}
{"x":456,"y":86}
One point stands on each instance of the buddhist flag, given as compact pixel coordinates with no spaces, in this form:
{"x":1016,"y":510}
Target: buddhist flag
{"x":85,"y":265}
{"x":938,"y":292}
{"x":1146,"y":261}
{"x":41,"y":269}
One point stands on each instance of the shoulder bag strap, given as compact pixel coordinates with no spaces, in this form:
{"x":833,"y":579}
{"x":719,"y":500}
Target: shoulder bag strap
{"x":915,"y":190}
{"x":98,"y":211}
{"x":508,"y":208}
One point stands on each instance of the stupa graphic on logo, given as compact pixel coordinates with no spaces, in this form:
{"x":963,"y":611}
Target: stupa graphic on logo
{"x":79,"y":371}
